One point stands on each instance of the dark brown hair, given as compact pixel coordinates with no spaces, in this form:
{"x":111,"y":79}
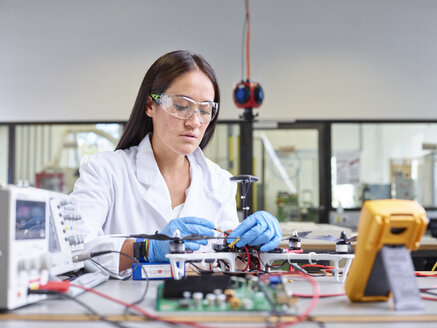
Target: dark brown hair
{"x":158,"y":78}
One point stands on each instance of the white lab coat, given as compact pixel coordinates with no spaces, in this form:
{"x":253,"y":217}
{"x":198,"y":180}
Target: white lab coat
{"x":123,"y":192}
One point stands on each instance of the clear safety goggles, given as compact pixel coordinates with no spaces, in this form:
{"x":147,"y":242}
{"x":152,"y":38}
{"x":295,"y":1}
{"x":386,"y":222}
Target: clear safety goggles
{"x":184,"y":107}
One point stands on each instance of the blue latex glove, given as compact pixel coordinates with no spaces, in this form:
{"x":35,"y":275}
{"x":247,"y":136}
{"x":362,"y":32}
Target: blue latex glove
{"x":187,"y":226}
{"x":260,"y":228}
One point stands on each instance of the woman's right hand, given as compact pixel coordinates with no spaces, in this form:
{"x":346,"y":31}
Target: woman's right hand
{"x":186,"y":226}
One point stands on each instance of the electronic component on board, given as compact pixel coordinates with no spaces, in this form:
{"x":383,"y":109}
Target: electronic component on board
{"x":221,"y":293}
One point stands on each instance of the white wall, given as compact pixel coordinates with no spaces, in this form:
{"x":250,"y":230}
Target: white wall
{"x":4,"y":154}
{"x":84,"y":59}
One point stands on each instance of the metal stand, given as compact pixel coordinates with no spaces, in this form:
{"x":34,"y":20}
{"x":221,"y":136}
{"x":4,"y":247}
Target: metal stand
{"x":393,"y":271}
{"x":246,"y":157}
{"x":245,"y":180}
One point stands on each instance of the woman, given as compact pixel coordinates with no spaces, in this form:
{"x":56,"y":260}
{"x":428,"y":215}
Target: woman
{"x":158,"y":178}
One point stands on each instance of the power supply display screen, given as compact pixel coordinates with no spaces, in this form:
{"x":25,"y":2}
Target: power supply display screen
{"x":30,"y":220}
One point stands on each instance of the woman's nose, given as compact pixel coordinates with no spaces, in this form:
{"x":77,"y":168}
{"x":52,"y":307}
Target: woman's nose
{"x":194,"y":119}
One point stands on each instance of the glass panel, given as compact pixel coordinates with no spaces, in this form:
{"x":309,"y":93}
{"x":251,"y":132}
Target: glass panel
{"x":383,"y":160}
{"x":49,"y":155}
{"x":223,"y":147}
{"x":4,"y":156}
{"x":287,"y":163}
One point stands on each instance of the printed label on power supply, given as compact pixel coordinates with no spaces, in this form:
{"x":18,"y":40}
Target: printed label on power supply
{"x":153,"y":270}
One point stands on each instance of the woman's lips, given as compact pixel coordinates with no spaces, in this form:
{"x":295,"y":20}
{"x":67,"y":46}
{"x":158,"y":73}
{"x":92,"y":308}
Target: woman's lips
{"x":189,"y":136}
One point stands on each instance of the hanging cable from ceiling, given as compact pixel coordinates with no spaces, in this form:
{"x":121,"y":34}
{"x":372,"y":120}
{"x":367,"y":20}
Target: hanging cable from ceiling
{"x":247,"y":94}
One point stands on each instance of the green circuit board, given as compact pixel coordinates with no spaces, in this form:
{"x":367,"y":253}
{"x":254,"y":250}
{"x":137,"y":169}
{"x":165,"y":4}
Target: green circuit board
{"x":246,"y":296}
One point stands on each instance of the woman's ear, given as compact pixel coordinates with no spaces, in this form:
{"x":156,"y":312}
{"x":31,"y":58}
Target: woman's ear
{"x":149,"y":106}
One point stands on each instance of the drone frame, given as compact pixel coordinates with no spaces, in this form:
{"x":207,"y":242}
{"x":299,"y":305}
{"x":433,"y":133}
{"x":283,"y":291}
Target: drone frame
{"x":178,"y":261}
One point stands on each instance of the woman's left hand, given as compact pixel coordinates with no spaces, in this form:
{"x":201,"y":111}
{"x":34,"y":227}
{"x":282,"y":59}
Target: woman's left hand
{"x":260,"y":228}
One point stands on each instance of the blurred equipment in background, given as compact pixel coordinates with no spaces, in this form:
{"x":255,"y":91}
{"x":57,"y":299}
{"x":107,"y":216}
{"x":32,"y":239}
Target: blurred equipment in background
{"x":400,"y":179}
{"x":288,"y":207}
{"x":50,"y":181}
{"x":376,"y":191}
{"x":62,"y":172}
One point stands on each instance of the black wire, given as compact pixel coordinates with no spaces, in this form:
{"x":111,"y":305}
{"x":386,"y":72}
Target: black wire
{"x":141,"y":299}
{"x":225,"y":263}
{"x":274,"y":312}
{"x":143,"y":296}
{"x":102,"y":318}
{"x":320,"y":324}
{"x":200,"y":270}
{"x":271,"y":266}
{"x":72,"y":274}
{"x":280,"y":313}
{"x":92,"y":311}
{"x":259,"y":271}
{"x":277,"y":266}
{"x":255,"y":261}
{"x":318,"y":273}
{"x":109,"y":271}
{"x":87,"y":307}
{"x":428,"y":292}
{"x":298,"y":268}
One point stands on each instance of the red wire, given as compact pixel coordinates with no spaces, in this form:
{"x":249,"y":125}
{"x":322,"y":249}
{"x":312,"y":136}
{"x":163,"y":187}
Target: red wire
{"x":317,"y":266}
{"x":136,"y":308}
{"x":327,"y":267}
{"x":247,"y":41}
{"x":311,"y":306}
{"x":429,"y":298}
{"x":295,"y":251}
{"x":148,"y":315}
{"x":418,"y":274}
{"x":248,"y":259}
{"x":320,"y":296}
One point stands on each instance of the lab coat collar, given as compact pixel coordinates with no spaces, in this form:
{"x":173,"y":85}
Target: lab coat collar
{"x":146,"y":167}
{"x":201,"y":195}
{"x":202,"y":190}
{"x":155,"y":189}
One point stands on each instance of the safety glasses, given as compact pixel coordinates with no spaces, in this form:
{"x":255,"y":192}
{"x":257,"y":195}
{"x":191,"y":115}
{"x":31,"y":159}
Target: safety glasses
{"x":184,"y":107}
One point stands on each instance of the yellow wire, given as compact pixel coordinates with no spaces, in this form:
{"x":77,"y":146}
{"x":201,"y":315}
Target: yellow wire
{"x":435,"y":266}
{"x":234,"y":242}
{"x":220,"y":231}
{"x":231,"y":244}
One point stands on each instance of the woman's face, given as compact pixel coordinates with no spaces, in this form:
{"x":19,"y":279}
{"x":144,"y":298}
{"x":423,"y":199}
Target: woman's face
{"x":178,"y":135}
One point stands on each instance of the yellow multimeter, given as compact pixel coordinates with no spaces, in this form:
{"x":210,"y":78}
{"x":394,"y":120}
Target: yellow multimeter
{"x":388,"y":223}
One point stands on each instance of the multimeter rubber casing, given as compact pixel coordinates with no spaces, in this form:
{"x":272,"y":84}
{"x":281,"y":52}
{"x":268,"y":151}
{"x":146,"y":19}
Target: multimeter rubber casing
{"x":387,"y":222}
